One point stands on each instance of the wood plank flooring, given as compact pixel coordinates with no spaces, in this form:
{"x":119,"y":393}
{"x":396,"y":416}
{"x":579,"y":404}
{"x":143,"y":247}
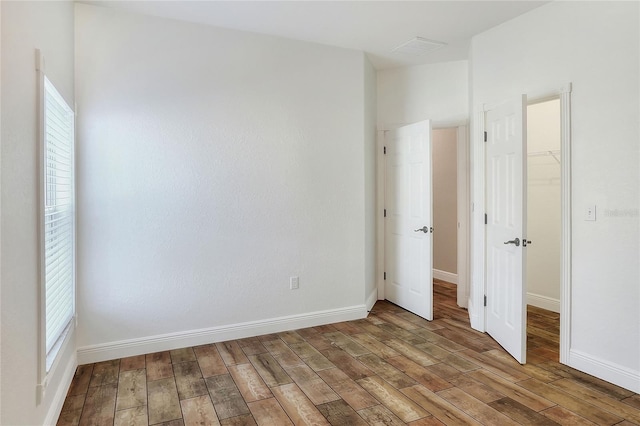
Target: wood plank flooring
{"x":393,"y":368}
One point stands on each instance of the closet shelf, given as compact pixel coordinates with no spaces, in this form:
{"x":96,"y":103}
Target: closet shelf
{"x":555,"y":154}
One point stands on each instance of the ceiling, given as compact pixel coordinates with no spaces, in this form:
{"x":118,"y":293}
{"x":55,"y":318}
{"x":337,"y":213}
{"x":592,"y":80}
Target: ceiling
{"x":375,"y":27}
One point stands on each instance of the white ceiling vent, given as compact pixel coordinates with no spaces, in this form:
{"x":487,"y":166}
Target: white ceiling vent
{"x":418,"y":46}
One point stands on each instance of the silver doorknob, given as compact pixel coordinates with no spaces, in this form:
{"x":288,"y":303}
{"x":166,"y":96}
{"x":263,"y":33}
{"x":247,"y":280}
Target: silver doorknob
{"x":423,"y":229}
{"x":516,"y":242}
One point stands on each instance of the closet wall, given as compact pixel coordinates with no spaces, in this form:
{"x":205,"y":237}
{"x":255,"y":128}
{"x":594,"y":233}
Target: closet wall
{"x":445,"y":204}
{"x":543,"y":205}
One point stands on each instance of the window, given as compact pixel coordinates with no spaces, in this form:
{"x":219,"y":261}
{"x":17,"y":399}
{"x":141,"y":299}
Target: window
{"x":58,"y":226}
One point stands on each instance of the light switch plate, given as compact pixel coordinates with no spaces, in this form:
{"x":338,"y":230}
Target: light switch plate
{"x":590,"y":213}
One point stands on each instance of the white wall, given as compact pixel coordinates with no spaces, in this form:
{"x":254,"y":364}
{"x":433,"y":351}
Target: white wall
{"x":370,"y":125}
{"x":25,"y":27}
{"x":445,"y":200}
{"x":594,"y":45}
{"x":543,"y":206}
{"x":438,"y":92}
{"x":214,"y":165}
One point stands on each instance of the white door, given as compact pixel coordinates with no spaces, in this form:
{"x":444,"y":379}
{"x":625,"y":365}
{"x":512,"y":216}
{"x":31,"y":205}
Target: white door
{"x":409,"y":224}
{"x":506,"y":194}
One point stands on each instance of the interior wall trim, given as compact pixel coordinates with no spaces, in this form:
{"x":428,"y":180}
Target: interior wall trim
{"x":613,"y":373}
{"x":544,"y":302}
{"x":169,"y":341}
{"x":449,"y":277}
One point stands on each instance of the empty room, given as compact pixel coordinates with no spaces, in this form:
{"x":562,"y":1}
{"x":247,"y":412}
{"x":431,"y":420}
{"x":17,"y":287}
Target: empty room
{"x":222,"y":212}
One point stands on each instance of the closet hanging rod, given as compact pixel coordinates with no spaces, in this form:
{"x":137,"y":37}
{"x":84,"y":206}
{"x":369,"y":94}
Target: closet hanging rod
{"x":555,"y":154}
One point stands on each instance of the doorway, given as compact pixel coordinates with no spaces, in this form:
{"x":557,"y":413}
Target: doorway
{"x":544,"y":212}
{"x":461,"y":213}
{"x":451,"y":208}
{"x":480,"y":290}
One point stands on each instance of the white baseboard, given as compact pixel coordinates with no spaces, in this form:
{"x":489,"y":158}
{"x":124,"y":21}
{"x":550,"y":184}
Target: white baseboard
{"x":543,"y":302}
{"x":372,"y":299}
{"x":61,"y":392}
{"x":449,"y":277}
{"x":165,"y":342}
{"x":613,"y":373}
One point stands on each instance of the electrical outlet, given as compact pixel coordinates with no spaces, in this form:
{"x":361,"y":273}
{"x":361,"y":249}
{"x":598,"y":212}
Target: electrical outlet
{"x":590,"y":213}
{"x":294,"y":283}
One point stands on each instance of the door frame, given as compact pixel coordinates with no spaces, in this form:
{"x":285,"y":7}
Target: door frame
{"x":464,"y":200}
{"x":477,"y":310}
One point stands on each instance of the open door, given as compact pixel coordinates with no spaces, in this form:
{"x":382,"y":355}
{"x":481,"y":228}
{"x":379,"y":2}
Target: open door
{"x":505,"y":207}
{"x":408,"y":224}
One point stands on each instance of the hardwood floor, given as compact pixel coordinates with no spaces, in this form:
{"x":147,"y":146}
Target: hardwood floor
{"x":393,"y":368}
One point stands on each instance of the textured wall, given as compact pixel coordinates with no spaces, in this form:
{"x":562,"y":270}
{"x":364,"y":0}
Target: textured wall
{"x":445,"y":199}
{"x":214,"y":165}
{"x":436,"y":92}
{"x":543,"y":202}
{"x":27,"y":26}
{"x":594,"y":45}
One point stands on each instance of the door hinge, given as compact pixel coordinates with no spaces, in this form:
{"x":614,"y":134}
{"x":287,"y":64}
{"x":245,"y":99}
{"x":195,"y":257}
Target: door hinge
{"x":385,"y":275}
{"x":485,"y":300}
{"x":485,"y":218}
{"x":384,"y":150}
{"x":385,"y":212}
{"x":485,"y":136}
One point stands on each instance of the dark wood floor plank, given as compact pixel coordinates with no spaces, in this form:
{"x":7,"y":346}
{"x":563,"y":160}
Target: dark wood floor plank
{"x":268,"y":412}
{"x":209,"y":360}
{"x":132,"y":363}
{"x":182,"y":355}
{"x":99,"y":406}
{"x":577,"y":405}
{"x":475,"y":408}
{"x":521,"y":413}
{"x":420,"y":374}
{"x":249,"y":382}
{"x":163,"y":401}
{"x":132,"y":389}
{"x":444,"y":411}
{"x":348,"y":364}
{"x":587,"y":380}
{"x":244,"y":420}
{"x":105,"y":373}
{"x":565,"y":417}
{"x":158,"y":366}
{"x":391,"y":368}
{"x":386,"y":371}
{"x":270,"y":370}
{"x":380,"y":415}
{"x":252,"y":346}
{"x":297,"y":406}
{"x":339,"y":413}
{"x":189,"y":380}
{"x":81,"y":379}
{"x":199,"y":411}
{"x":231,"y":353}
{"x":398,"y":403}
{"x":136,"y":416}
{"x":71,"y":410}
{"x":598,"y":399}
{"x":532,"y":400}
{"x":374,"y":345}
{"x":354,"y":395}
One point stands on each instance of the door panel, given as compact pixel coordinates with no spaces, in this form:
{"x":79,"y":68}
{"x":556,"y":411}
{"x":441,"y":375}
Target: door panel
{"x":506,"y":194}
{"x":408,"y":254}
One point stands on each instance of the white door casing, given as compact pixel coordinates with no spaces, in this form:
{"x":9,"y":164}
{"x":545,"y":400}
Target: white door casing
{"x":408,"y":195}
{"x":505,"y":125}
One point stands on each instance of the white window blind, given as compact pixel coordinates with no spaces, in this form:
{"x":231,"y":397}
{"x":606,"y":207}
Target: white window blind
{"x":59,"y":222}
